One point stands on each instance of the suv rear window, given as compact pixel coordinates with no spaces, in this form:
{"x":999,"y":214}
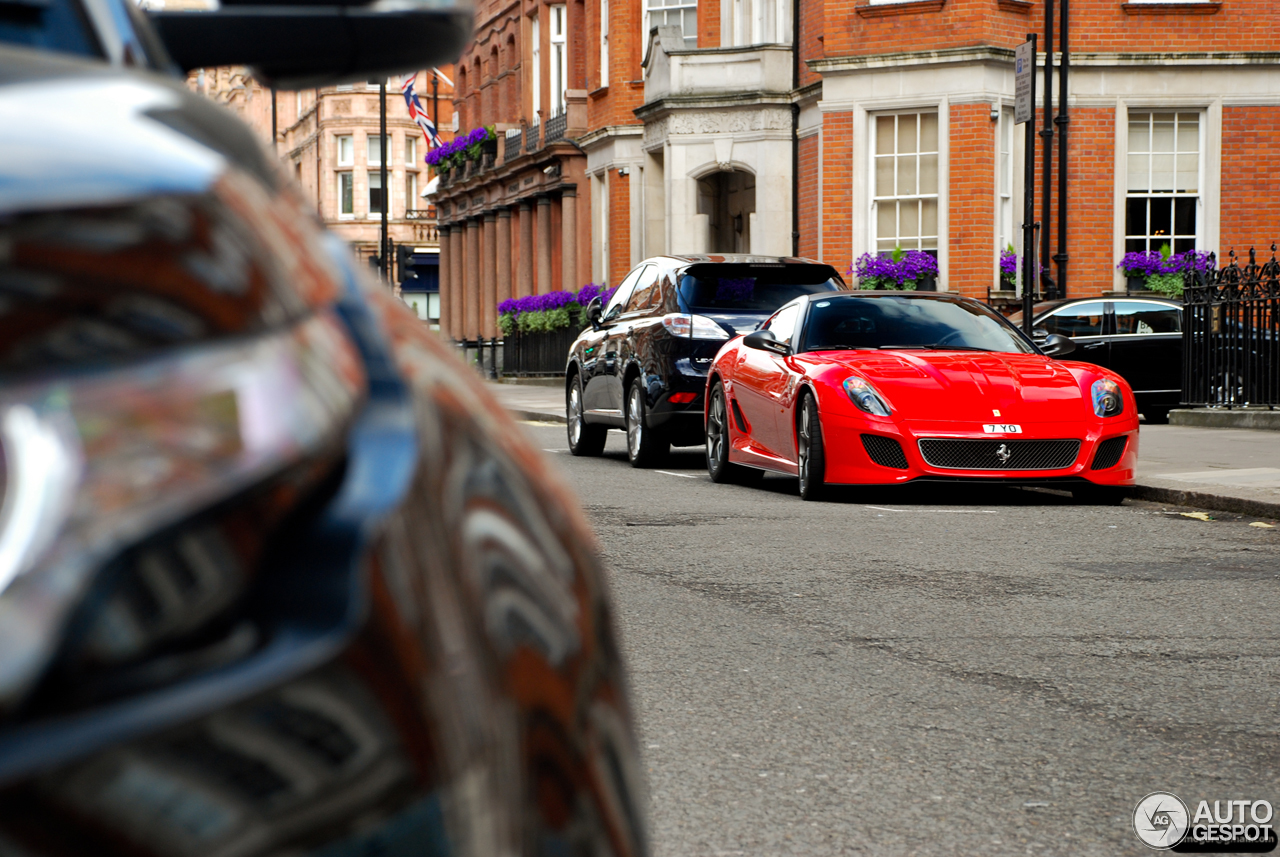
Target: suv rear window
{"x":726,"y":287}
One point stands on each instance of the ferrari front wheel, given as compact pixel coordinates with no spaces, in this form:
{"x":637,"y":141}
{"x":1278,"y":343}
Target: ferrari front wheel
{"x":812,"y":455}
{"x":719,"y":467}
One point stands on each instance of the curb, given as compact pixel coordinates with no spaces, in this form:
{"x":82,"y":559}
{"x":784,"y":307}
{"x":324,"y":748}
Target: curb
{"x":1217,"y":502}
{"x":537,"y":416}
{"x":1240,"y":418}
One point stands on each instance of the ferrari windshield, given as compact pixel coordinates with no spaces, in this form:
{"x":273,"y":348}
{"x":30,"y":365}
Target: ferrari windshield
{"x":902,"y":322}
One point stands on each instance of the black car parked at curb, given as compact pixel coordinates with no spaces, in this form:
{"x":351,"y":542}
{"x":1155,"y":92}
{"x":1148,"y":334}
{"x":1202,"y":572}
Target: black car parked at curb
{"x":1139,"y":338}
{"x":642,"y":365}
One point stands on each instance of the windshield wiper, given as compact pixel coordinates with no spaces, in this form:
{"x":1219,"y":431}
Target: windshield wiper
{"x":933,"y":348}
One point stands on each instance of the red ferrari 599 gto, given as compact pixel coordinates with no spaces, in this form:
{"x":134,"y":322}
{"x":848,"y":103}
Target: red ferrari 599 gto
{"x":884,"y":388}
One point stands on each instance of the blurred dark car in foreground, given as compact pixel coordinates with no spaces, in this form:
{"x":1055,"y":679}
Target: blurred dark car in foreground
{"x":642,"y":366}
{"x":276,"y":576}
{"x":1138,"y":338}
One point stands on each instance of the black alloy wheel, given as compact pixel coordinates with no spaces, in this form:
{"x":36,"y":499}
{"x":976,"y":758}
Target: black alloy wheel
{"x":645,"y":447}
{"x":584,"y":439}
{"x":813,"y":459}
{"x":719,"y":467}
{"x":1098,"y":495}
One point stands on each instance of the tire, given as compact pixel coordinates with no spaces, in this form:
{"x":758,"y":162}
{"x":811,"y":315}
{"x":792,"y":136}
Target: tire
{"x":812,"y":462}
{"x":584,"y":439}
{"x":719,"y":467}
{"x":1099,"y":495}
{"x":645,"y":447}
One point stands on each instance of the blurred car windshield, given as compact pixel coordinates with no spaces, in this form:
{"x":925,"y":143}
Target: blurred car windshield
{"x":752,"y":288}
{"x":53,"y":25}
{"x":903,"y":322}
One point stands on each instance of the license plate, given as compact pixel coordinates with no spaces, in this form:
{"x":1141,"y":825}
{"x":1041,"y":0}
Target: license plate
{"x":1002,"y":428}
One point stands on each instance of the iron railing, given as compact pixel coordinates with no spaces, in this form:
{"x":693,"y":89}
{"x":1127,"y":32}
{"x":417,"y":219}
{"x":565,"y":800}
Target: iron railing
{"x":531,"y":138}
{"x":1231,"y":334}
{"x":511,"y":145}
{"x":556,"y":126}
{"x":537,"y":353}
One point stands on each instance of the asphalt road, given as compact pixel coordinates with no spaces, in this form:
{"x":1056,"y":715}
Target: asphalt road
{"x":938,"y":671}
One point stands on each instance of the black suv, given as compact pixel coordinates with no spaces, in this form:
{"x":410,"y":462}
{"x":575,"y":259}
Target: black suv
{"x":642,"y":366}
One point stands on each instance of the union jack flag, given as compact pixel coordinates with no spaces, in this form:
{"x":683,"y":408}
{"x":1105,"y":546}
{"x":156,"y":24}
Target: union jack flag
{"x":417,"y":114}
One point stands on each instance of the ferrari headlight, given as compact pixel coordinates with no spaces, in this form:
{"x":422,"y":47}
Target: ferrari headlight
{"x":94,"y":463}
{"x":865,"y":397}
{"x":1107,"y":400}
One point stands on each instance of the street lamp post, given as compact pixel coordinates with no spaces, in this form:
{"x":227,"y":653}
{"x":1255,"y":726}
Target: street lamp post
{"x":384,"y":254}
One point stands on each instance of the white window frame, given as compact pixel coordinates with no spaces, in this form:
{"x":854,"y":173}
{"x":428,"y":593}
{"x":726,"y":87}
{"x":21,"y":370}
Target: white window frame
{"x":939,"y":237}
{"x":559,"y":14}
{"x":650,"y":7}
{"x":347,"y":141}
{"x":351,"y":178}
{"x":372,"y":176}
{"x":410,"y":191}
{"x":1202,"y":122}
{"x":411,"y":150}
{"x":536,"y":62}
{"x":1009,"y":175}
{"x":604,"y":42}
{"x":369,"y":148}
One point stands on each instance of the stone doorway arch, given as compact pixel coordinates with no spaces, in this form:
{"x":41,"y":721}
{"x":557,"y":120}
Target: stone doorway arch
{"x":728,"y":200}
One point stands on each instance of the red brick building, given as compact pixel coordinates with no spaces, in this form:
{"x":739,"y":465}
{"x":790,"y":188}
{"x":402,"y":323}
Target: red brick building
{"x":701,"y":130}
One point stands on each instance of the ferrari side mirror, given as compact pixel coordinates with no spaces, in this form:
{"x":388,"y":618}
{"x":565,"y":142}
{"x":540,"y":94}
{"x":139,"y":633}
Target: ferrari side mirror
{"x":1056,"y":345}
{"x":764,"y":340}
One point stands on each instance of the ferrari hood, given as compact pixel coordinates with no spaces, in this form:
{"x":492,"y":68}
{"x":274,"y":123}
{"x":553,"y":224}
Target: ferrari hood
{"x":967,"y":386}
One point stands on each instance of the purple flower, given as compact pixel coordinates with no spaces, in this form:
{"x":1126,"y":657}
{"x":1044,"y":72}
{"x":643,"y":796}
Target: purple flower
{"x":899,"y":269}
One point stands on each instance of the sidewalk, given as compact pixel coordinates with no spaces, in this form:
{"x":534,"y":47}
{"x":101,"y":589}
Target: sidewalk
{"x":1230,"y":470}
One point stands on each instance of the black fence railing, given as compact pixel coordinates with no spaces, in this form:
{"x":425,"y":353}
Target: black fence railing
{"x":1231,"y":335}
{"x":531,"y":143}
{"x":556,"y":127}
{"x":537,"y":353}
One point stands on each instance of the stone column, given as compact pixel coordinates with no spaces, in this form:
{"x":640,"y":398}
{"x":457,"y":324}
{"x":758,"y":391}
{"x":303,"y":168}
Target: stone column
{"x":446,"y":259}
{"x":524,"y":261}
{"x":488,"y":276}
{"x":542,"y":245}
{"x":569,"y":239}
{"x":471,"y":299}
{"x":504,"y":254}
{"x":457,"y":278}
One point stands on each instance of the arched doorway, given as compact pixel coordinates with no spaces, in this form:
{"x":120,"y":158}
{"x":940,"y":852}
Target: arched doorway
{"x":728,"y":198}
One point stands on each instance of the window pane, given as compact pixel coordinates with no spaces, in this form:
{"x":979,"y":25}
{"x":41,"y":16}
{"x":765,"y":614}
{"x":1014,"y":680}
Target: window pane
{"x":884,"y":135}
{"x":929,"y":221}
{"x":1134,"y":317}
{"x":375,"y":151}
{"x":884,"y":176}
{"x":1135,"y":216}
{"x":1139,"y":135}
{"x":907,"y":134}
{"x":1079,"y":320}
{"x":1184,"y":218}
{"x":887,"y":221}
{"x":345,"y":150}
{"x":375,"y":193}
{"x":929,"y":132}
{"x":1188,"y":135}
{"x":1162,"y":137}
{"x":1161,"y":221}
{"x":346,"y":194}
{"x":909,"y":221}
{"x":907,"y":176}
{"x":929,"y":173}
{"x":1139,"y":178}
{"x":1161,"y":173}
{"x":1188,"y":174}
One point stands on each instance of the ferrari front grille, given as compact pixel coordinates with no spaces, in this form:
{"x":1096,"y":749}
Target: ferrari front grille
{"x":884,"y":451}
{"x":963,"y":454}
{"x":1109,"y":452}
